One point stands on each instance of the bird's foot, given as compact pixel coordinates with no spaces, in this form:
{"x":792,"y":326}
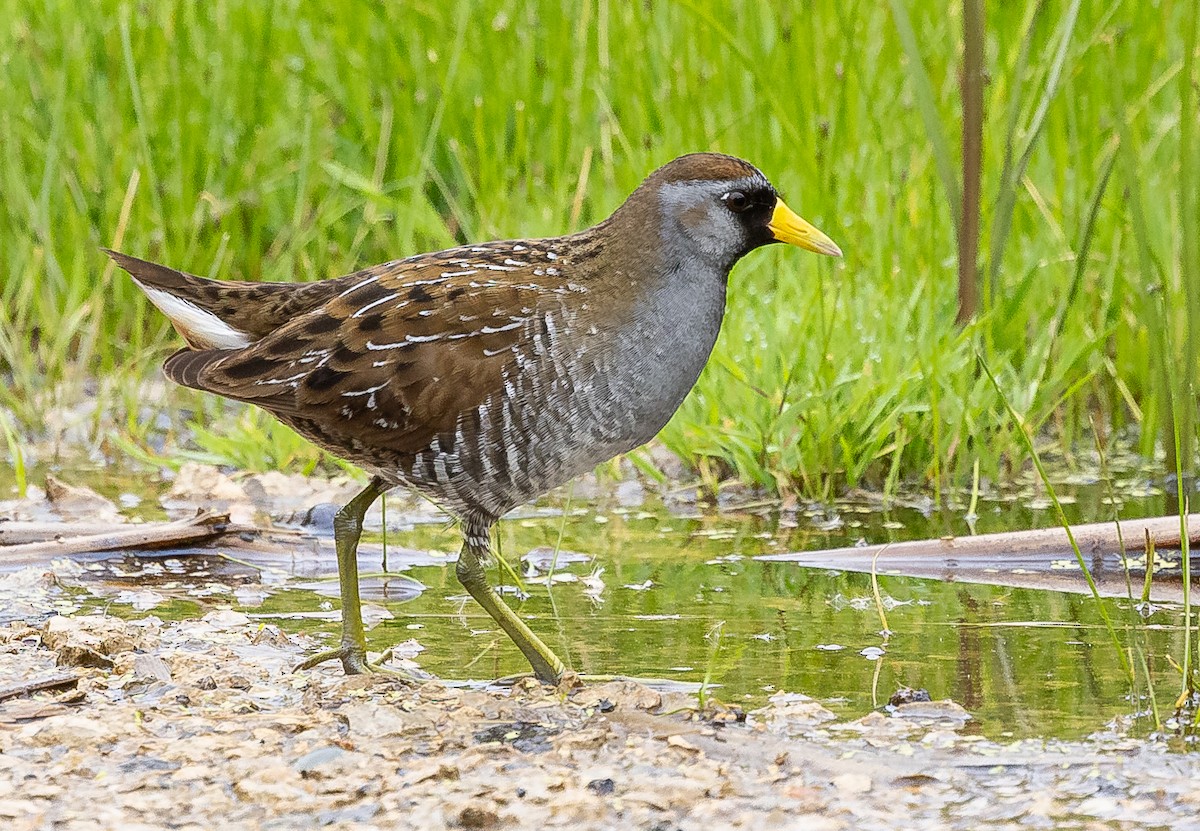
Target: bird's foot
{"x":354,"y":662}
{"x":567,"y":681}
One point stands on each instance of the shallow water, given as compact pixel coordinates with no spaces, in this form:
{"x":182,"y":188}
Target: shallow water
{"x":675,"y":593}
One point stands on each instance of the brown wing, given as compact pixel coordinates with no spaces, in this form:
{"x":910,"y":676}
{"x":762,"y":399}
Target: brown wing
{"x":396,"y":357}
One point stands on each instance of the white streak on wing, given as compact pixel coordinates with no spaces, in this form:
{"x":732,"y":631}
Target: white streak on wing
{"x":367,"y":391}
{"x":359,"y":285}
{"x":313,"y":355}
{"x":467,"y":273}
{"x":292,"y":379}
{"x":491,"y":353}
{"x":372,"y":305}
{"x":491,"y":330}
{"x":203,"y":328}
{"x":375,"y":347}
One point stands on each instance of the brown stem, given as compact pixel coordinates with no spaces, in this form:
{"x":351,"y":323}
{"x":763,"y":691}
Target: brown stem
{"x":972,"y":160}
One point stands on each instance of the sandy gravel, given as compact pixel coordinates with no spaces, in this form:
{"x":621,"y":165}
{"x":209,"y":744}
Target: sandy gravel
{"x":202,"y":725}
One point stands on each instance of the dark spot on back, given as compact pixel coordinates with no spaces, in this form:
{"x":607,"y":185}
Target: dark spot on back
{"x":418,"y":294}
{"x":344,"y":355}
{"x":321,"y":325}
{"x":369,"y":293}
{"x":278,"y":349}
{"x":248,"y":368}
{"x":371,"y":323}
{"x":456,"y":292}
{"x":324,"y":378}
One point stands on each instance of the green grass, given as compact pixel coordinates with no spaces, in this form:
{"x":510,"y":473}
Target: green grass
{"x":289,"y":141}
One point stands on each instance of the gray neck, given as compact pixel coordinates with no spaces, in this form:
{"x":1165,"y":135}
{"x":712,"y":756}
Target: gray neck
{"x":677,"y":326}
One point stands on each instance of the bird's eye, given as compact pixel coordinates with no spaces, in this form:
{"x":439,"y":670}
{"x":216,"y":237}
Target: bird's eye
{"x":736,"y":201}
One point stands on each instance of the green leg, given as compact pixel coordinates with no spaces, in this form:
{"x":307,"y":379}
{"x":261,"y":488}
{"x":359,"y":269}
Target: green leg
{"x":347,"y":528}
{"x":546,"y":665}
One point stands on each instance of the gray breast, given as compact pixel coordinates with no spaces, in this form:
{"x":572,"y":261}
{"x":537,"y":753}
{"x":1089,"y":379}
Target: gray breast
{"x":579,"y":395}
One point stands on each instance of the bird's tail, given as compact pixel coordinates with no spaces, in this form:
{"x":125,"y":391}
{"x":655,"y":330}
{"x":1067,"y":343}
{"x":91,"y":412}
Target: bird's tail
{"x":222,"y":314}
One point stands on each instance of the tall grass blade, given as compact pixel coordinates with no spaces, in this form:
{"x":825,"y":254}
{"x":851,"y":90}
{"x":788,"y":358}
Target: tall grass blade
{"x":1061,"y":515}
{"x":1185,"y":557}
{"x":1189,"y":230}
{"x":1045,"y":345}
{"x":918,"y":76}
{"x":1161,"y":400}
{"x":1009,"y":183}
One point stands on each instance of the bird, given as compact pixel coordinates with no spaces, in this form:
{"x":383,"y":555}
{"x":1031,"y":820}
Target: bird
{"x":488,"y":374}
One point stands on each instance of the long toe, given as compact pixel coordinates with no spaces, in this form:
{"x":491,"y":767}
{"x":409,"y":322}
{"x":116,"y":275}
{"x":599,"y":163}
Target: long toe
{"x":354,"y":662}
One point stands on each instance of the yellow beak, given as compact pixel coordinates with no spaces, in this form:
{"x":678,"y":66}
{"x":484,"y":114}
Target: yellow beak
{"x":786,"y":226}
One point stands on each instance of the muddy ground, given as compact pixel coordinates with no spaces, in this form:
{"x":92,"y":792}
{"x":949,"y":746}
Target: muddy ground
{"x":108,"y":723}
{"x":202,"y":724}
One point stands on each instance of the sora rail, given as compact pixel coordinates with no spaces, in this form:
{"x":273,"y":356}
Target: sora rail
{"x":486,"y":375}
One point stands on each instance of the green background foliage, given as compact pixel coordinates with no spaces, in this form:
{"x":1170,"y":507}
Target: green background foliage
{"x":297,"y":141}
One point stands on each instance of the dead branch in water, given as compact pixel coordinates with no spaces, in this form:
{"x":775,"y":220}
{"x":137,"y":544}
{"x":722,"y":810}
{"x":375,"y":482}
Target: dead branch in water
{"x":1093,"y":538}
{"x":1040,"y":559}
{"x":65,"y":539}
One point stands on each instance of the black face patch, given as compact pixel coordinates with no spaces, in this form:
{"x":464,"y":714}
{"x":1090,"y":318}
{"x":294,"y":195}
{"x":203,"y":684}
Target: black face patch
{"x":753,"y":208}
